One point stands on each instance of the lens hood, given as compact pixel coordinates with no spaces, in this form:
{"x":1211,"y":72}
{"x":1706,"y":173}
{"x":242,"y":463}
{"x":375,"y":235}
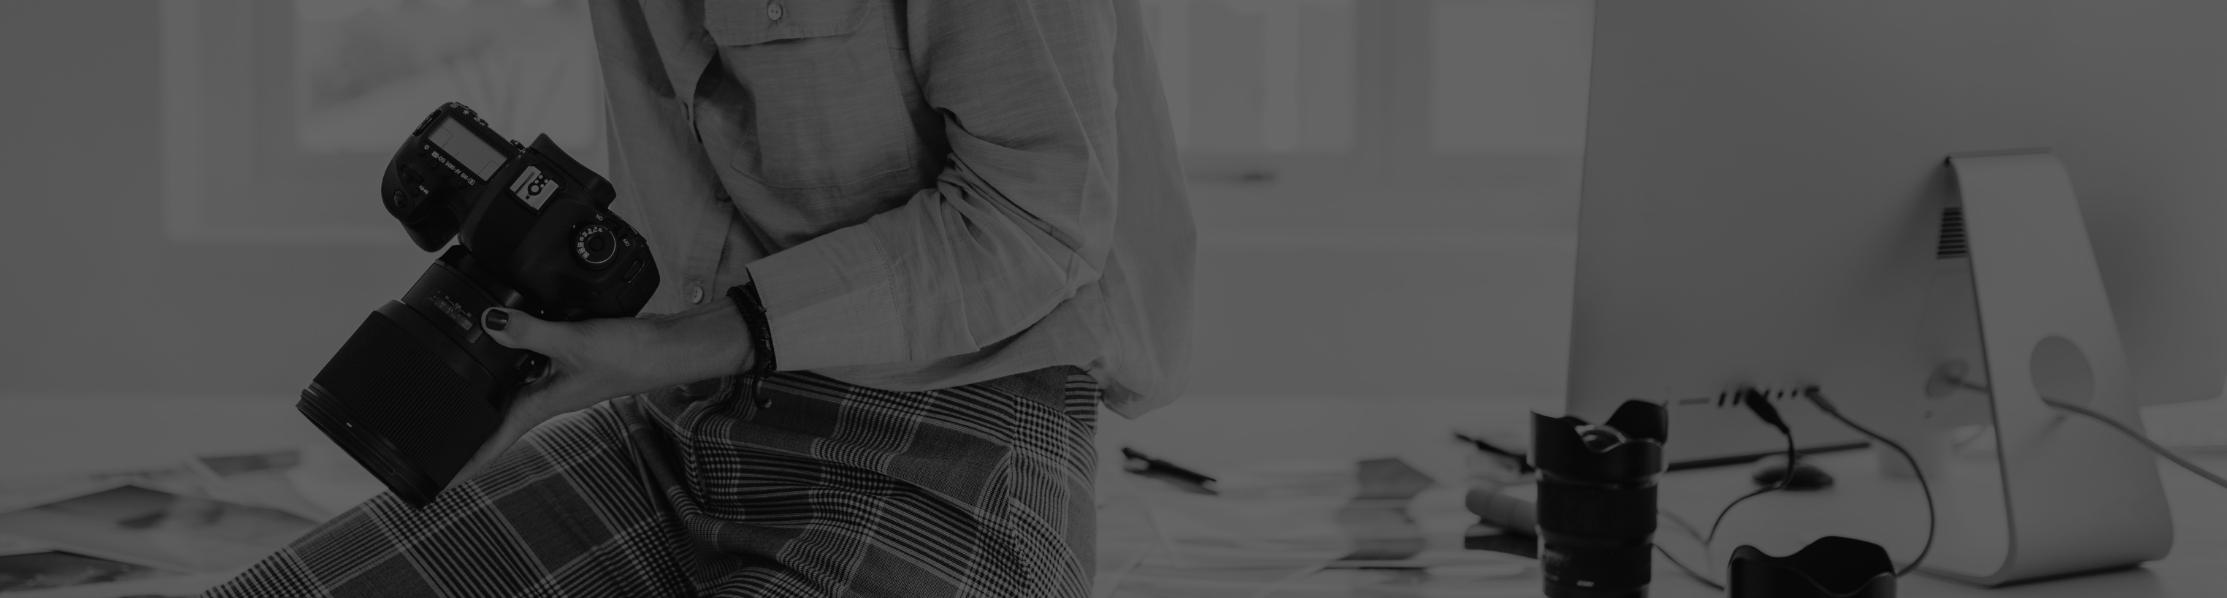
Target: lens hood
{"x":1559,"y":445}
{"x":1830,"y":567}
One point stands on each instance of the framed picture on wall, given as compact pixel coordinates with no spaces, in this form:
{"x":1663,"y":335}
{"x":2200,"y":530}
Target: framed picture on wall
{"x":279,"y":117}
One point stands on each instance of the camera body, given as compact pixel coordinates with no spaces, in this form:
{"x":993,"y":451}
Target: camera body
{"x":1597,"y":500}
{"x":519,"y":210}
{"x":419,"y":386}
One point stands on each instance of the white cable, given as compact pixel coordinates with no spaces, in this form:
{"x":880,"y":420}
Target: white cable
{"x":1932,"y":517}
{"x":2154,"y":447}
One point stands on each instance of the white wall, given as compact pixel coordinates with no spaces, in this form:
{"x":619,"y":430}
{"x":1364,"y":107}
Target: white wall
{"x":96,"y":300}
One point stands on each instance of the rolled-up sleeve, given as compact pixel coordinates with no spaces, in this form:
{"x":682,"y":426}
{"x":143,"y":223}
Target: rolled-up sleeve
{"x":1020,"y":218}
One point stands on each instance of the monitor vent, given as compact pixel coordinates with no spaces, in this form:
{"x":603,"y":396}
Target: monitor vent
{"x":1953,"y":243}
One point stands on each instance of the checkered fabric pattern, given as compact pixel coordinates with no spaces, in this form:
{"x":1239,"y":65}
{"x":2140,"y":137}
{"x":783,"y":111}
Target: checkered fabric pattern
{"x":799,"y":486}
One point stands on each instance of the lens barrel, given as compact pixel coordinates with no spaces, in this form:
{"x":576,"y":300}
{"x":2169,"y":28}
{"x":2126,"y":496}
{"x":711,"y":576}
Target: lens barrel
{"x":374,"y":452}
{"x":1597,"y":502}
{"x":415,"y":391}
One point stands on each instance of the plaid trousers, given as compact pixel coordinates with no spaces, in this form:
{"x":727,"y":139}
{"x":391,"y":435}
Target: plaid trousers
{"x":800,"y":486}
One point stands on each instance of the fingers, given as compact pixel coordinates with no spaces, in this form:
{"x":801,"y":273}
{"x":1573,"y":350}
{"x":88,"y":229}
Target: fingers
{"x":517,"y":330}
{"x":533,"y":405}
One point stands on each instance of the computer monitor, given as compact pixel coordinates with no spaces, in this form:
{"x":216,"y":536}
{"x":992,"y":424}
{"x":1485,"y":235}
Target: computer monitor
{"x":1764,"y":188}
{"x":1762,"y":184}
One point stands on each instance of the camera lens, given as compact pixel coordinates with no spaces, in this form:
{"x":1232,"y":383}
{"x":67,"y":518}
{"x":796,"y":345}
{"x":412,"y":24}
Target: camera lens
{"x":375,"y":453}
{"x":417,"y":388}
{"x":1595,"y":539}
{"x":1600,"y":439}
{"x":1596,"y":504}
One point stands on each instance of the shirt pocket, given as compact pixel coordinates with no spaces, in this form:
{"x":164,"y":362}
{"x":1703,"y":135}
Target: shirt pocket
{"x":820,"y":101}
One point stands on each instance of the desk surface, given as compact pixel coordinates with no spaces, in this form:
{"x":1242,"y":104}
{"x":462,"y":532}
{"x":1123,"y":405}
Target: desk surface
{"x":1778,"y":523}
{"x":39,"y":436}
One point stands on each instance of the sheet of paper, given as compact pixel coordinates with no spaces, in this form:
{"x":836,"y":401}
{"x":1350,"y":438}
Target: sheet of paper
{"x":156,"y":528}
{"x":1293,"y":530}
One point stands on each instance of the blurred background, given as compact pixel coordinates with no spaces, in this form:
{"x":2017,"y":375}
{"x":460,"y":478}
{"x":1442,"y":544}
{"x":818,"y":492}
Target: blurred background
{"x":1385,"y":189}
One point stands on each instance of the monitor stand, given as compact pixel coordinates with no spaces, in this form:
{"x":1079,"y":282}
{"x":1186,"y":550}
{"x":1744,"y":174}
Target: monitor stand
{"x":2022,"y":315}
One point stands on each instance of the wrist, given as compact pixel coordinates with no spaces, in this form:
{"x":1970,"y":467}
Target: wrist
{"x":706,"y":342}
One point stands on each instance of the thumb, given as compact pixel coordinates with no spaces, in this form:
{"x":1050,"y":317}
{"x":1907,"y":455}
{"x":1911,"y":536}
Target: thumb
{"x":517,"y":330}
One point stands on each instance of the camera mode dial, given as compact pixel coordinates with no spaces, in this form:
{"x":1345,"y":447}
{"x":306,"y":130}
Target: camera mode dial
{"x":594,"y":244}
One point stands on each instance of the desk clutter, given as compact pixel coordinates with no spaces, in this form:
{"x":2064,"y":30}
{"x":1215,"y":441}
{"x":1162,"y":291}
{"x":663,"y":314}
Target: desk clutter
{"x":168,"y":530}
{"x":1371,"y":526}
{"x":1358,"y":527}
{"x":1587,"y":493}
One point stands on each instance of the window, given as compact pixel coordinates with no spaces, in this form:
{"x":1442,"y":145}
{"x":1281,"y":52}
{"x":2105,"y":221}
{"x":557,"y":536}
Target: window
{"x":1383,"y":119}
{"x":280,"y":116}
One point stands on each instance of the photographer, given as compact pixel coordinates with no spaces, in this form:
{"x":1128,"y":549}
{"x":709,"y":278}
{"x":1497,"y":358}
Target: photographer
{"x":908,"y":247}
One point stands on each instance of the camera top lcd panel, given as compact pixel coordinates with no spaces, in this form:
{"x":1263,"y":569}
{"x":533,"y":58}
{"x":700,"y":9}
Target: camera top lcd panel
{"x":468,"y":156}
{"x":449,"y":154}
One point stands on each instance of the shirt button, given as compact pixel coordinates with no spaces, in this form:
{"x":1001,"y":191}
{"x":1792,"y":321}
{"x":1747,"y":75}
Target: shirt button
{"x":773,"y":11}
{"x":695,"y":293}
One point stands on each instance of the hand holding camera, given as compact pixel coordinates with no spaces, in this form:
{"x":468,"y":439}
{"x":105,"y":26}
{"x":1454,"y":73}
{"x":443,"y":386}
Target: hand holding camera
{"x":593,"y":360}
{"x":422,"y":386}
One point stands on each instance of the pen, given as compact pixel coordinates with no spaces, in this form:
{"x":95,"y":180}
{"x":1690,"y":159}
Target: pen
{"x":1523,"y":463}
{"x":1141,"y":464}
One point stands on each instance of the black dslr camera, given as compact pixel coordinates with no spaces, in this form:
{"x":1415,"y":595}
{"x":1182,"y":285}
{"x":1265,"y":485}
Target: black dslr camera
{"x":419,"y":387}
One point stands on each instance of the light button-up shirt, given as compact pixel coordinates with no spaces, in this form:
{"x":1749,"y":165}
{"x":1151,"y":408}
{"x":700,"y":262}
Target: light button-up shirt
{"x":926,"y":193}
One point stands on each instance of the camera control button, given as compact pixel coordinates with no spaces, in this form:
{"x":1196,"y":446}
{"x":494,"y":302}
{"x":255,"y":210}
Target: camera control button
{"x":695,"y":293}
{"x":594,"y":244}
{"x":633,"y":269}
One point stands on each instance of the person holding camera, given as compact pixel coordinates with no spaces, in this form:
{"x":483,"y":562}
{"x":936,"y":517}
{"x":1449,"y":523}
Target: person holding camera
{"x":906,"y":248}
